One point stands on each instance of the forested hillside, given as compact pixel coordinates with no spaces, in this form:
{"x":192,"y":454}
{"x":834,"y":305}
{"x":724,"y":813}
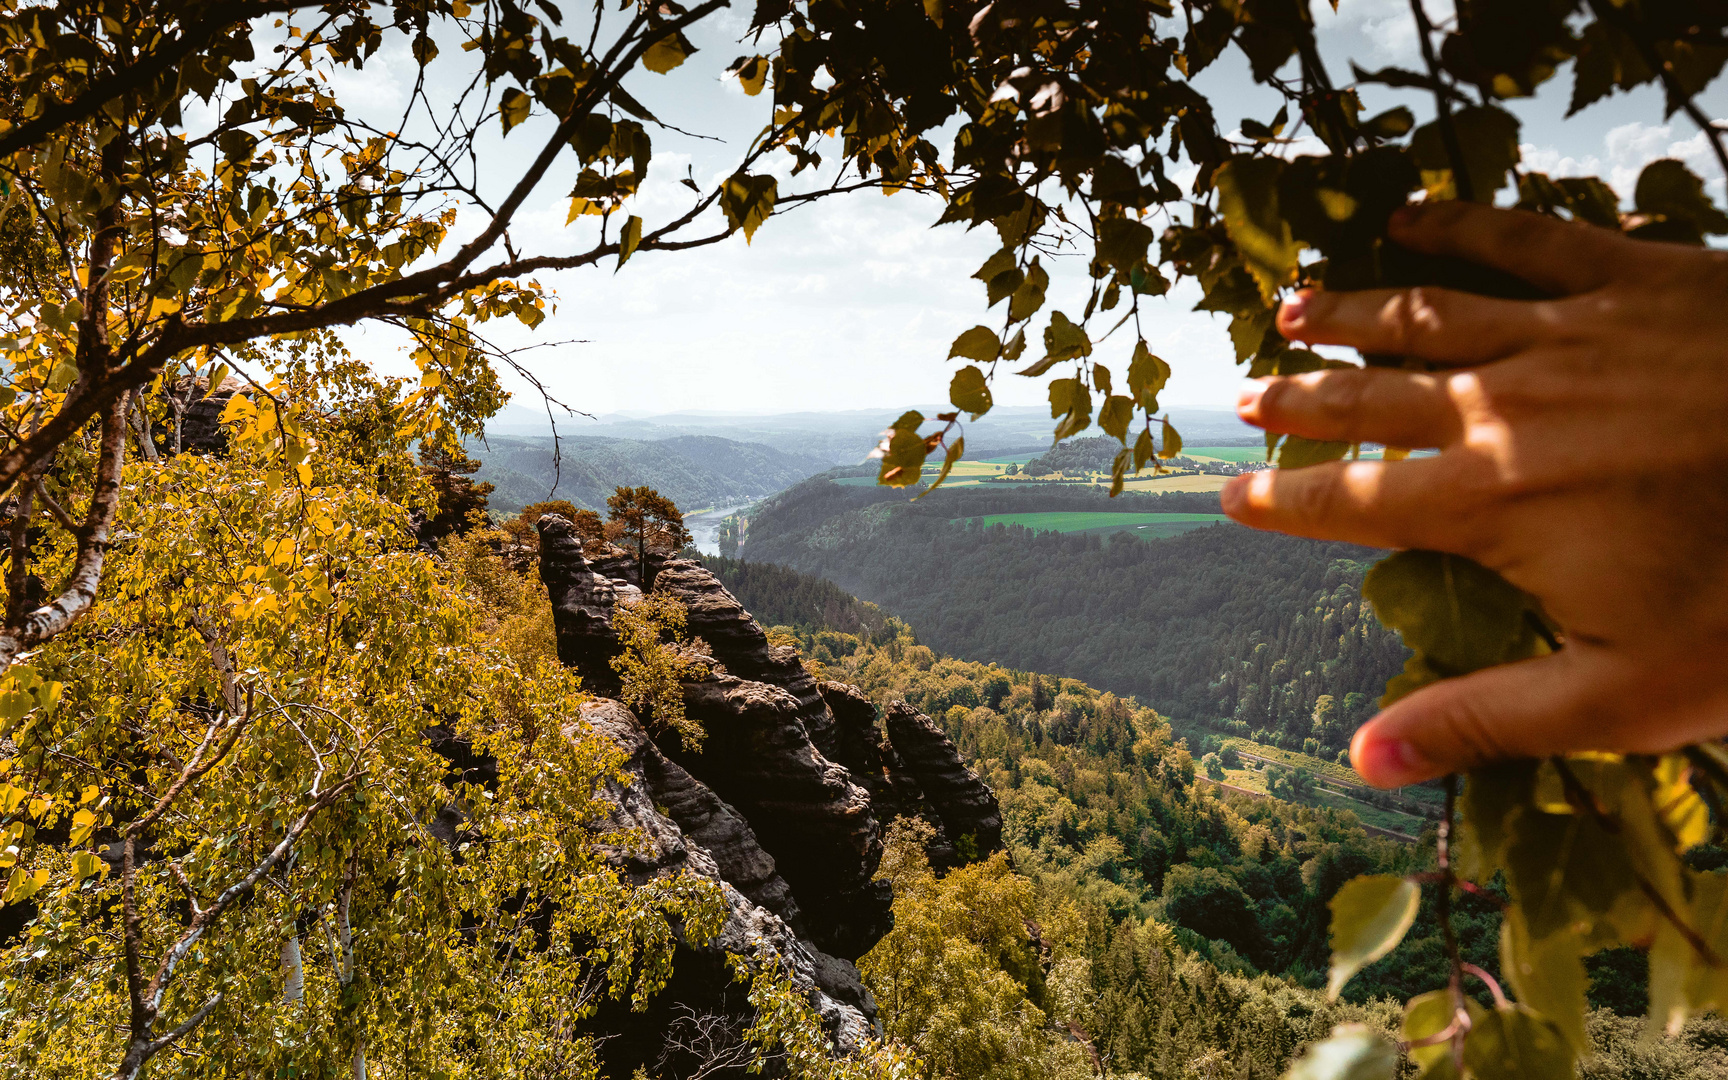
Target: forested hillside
{"x":695,"y":471}
{"x":1181,"y":923}
{"x":1253,"y":633}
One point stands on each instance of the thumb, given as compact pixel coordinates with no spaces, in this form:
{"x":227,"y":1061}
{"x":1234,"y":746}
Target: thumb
{"x":1533,"y":708}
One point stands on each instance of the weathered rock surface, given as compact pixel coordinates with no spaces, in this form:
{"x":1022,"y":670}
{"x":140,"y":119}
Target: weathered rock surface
{"x":809,"y":814}
{"x":678,"y":840}
{"x":965,"y":806}
{"x":788,"y":800}
{"x":914,"y":770}
{"x":582,"y":603}
{"x":738,"y":642}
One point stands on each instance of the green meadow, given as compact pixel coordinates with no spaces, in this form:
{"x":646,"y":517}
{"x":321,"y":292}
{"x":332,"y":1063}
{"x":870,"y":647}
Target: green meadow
{"x":1104,"y":521}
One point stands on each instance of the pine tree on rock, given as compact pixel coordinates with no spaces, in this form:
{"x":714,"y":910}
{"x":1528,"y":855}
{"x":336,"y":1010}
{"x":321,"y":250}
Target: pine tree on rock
{"x":645,"y":520}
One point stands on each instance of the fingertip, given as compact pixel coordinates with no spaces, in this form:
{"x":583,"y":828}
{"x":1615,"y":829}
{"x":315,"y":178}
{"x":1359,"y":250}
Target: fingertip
{"x":1248,"y":399}
{"x":1387,"y":761}
{"x":1246,"y":497}
{"x":1294,"y":312}
{"x":1234,"y":496}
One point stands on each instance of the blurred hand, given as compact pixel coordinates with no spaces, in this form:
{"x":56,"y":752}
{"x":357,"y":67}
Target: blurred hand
{"x":1583,"y":454}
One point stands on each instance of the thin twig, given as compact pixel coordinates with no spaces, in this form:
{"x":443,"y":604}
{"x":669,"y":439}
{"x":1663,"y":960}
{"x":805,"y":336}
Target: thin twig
{"x":1461,"y":182}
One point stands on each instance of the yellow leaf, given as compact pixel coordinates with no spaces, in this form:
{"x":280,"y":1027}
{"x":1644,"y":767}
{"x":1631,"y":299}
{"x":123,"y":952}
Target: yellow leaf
{"x":667,"y":53}
{"x":22,"y":885}
{"x":85,"y":863}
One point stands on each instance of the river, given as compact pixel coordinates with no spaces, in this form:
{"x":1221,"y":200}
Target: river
{"x":705,"y":527}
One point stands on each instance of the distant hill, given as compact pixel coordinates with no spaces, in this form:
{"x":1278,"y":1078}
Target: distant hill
{"x":694,"y":471}
{"x":1252,"y":633}
{"x":843,"y":437}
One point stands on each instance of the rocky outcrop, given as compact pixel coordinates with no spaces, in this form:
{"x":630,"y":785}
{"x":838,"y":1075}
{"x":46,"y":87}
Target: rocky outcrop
{"x":912,"y":769}
{"x":582,"y":603}
{"x":965,"y":807}
{"x":809,"y":814}
{"x":790,"y":795}
{"x":675,"y":825}
{"x":738,"y":642}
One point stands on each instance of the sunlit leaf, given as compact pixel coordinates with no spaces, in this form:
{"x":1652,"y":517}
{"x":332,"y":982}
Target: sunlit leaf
{"x":1370,"y":916}
{"x":969,"y":391}
{"x":1351,"y":1052}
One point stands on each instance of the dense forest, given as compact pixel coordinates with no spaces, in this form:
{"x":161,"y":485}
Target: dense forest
{"x":695,"y":471}
{"x":1251,"y":633}
{"x":1096,"y":454}
{"x":1183,"y":923}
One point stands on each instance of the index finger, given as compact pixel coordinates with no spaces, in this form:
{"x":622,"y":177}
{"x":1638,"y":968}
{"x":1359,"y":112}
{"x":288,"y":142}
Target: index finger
{"x":1562,"y":258}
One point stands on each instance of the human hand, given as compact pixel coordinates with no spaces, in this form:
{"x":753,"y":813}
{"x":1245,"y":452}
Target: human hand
{"x":1583,"y":454}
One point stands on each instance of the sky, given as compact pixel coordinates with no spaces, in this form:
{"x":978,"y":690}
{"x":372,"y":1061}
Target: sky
{"x":852,"y":302}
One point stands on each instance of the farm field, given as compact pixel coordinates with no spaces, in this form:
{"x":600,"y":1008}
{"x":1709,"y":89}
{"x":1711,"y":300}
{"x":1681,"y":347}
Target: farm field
{"x":1255,"y":780}
{"x":1253,"y":454}
{"x":1225,"y":453}
{"x":1144,"y":525}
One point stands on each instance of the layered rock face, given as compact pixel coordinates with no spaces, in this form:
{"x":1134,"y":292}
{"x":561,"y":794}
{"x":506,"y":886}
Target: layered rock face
{"x":796,"y":782}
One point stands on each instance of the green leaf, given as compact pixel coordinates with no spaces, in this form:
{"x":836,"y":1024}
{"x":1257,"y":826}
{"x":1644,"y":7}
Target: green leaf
{"x":1248,"y":201}
{"x":1016,"y":345}
{"x":1391,"y":124}
{"x":751,"y":72}
{"x":954,"y":451}
{"x":1457,"y":615}
{"x":1569,"y":873}
{"x":1115,"y":416}
{"x":1143,"y":449}
{"x":1248,"y":332}
{"x":513,"y":108}
{"x":1547,"y":975}
{"x":748,"y":200}
{"x":1370,"y":916}
{"x":1001,"y":275}
{"x":1147,"y":375}
{"x":1426,"y":1016}
{"x":1171,"y":443}
{"x":1682,"y":982}
{"x":1299,"y":452}
{"x":1668,"y":189}
{"x":978,"y":343}
{"x":1071,"y":406}
{"x":1488,"y":139}
{"x":1493,"y":796}
{"x":903,"y":452}
{"x":1351,"y":1052}
{"x":667,"y":53}
{"x":1119,"y":470}
{"x":1122,"y":242}
{"x":969,"y":391}
{"x":1063,"y":340}
{"x":1029,"y":295}
{"x":1513,"y":1043}
{"x":629,"y":239}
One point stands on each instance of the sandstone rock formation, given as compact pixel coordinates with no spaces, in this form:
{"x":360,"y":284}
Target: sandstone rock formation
{"x":787,"y":802}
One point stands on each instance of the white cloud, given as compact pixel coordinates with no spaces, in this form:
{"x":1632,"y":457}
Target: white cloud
{"x":1626,"y":149}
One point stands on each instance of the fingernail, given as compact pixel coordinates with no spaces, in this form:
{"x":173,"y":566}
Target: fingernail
{"x":1406,"y":215}
{"x":1234,"y":496}
{"x":1248,"y":398}
{"x":1390,"y":763}
{"x":1290,"y":312}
